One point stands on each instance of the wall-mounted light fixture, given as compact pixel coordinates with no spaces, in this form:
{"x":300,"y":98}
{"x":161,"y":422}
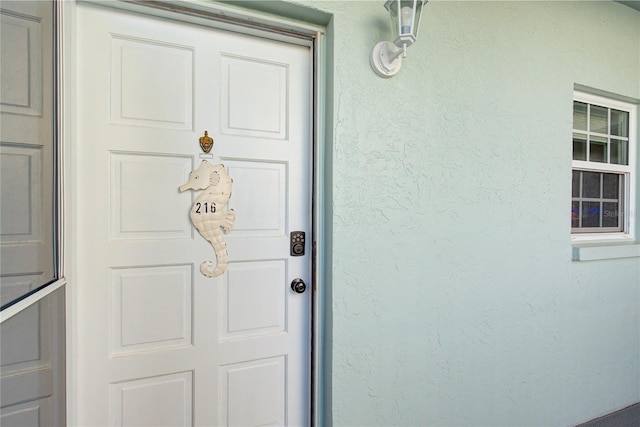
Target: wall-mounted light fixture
{"x":386,"y":57}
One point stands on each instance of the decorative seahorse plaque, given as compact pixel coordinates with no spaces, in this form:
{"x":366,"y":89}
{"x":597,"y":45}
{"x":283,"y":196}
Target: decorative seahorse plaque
{"x":209,"y":212}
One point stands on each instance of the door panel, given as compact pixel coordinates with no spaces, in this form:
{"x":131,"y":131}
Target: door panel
{"x":260,"y":186}
{"x":132,"y":199}
{"x":158,"y":343}
{"x":245,"y":115}
{"x":138,"y":68}
{"x":259,"y":381}
{"x":136,"y":325}
{"x":175,"y":391}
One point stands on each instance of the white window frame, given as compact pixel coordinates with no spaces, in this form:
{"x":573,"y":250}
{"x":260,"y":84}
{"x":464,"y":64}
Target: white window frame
{"x":629,"y":171}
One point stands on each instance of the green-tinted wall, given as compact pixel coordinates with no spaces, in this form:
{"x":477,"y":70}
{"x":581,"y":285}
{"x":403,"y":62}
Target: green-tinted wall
{"x":453,"y":299}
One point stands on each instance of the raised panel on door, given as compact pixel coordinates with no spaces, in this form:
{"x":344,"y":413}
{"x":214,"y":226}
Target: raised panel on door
{"x":253,"y":393}
{"x":259,"y":188}
{"x":152,"y":328}
{"x":252,"y":300}
{"x":254,"y":97}
{"x":164,"y":400}
{"x":150,"y":308}
{"x":152,"y":83}
{"x":144,"y":203}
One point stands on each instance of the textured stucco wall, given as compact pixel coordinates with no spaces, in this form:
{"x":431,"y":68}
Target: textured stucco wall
{"x":454,"y":299}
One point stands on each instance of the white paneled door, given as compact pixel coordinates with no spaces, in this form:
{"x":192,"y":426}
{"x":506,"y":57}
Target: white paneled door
{"x":156,"y":343}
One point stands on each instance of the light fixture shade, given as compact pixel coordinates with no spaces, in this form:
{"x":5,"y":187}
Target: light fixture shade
{"x":405,"y":20}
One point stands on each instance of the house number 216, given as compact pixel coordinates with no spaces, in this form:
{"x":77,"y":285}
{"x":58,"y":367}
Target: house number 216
{"x":205,"y":207}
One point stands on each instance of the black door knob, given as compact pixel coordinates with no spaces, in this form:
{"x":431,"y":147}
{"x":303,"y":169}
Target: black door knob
{"x":298,"y":286}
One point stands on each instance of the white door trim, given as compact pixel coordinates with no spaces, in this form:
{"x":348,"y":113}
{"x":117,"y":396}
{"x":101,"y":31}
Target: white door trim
{"x":223,"y":16}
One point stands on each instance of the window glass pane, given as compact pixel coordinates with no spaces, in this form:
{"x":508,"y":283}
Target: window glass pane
{"x":575,"y":184}
{"x":598,"y":149}
{"x":610,"y":186}
{"x":601,"y":137}
{"x":575,"y":214}
{"x":579,"y":147}
{"x":579,"y":115}
{"x":619,"y":123}
{"x":27,"y":149}
{"x":619,"y":152}
{"x":610,"y":214}
{"x":590,"y":214}
{"x":591,"y":185}
{"x":598,"y":119}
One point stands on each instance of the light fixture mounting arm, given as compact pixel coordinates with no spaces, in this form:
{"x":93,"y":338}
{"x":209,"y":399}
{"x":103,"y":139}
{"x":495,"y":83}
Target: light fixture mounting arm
{"x":386,"y":59}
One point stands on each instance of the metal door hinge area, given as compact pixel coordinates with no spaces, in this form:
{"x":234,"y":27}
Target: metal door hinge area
{"x":297,"y":243}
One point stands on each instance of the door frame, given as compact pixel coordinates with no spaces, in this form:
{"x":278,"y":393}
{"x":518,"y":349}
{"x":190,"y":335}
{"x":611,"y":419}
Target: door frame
{"x":266,"y":19}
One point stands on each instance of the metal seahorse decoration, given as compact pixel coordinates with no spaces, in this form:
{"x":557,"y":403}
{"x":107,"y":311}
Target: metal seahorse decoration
{"x":209,"y":213}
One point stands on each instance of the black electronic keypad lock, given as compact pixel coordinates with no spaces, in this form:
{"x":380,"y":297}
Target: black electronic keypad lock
{"x":296,"y":243}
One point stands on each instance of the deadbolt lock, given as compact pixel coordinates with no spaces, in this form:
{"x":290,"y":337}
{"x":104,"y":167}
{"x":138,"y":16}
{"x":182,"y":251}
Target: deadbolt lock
{"x":296,"y":243}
